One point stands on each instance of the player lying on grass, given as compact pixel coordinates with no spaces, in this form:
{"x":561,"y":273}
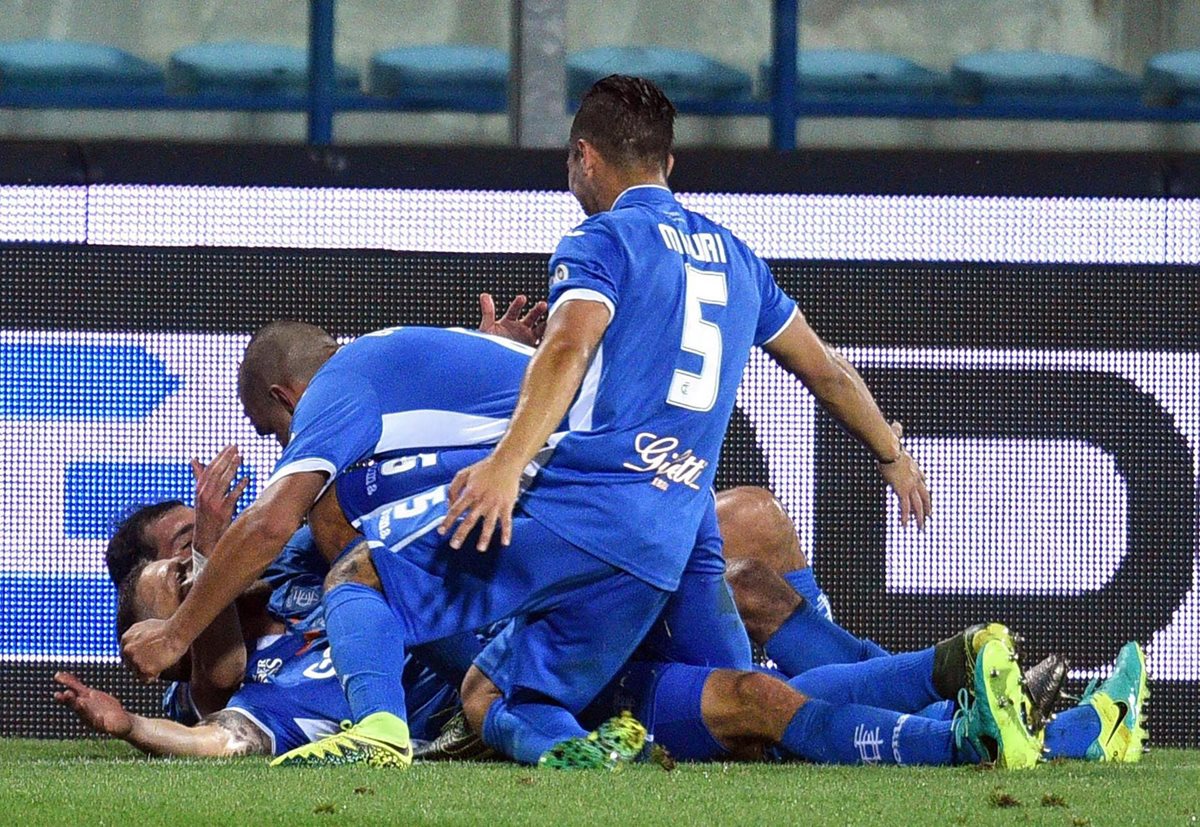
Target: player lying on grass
{"x":288,"y":694}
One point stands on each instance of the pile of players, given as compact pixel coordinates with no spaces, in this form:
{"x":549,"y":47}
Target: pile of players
{"x":516,"y":551}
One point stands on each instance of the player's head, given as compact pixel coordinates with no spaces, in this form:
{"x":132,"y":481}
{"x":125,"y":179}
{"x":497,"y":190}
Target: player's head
{"x":152,"y":532}
{"x":622,"y":134}
{"x":278,"y":364}
{"x":153,"y":590}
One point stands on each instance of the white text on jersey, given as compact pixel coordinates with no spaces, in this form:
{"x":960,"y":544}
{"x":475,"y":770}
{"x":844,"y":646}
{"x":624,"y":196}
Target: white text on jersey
{"x":659,"y":454}
{"x":700,"y":246}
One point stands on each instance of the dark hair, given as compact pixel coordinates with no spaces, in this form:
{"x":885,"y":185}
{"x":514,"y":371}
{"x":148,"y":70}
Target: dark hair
{"x":629,"y":120}
{"x":129,"y":610}
{"x":128,"y":545}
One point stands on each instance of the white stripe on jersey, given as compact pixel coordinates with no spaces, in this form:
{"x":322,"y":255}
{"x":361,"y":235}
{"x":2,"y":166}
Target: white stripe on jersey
{"x":582,"y":294}
{"x":517,"y":347}
{"x":579,"y":418}
{"x":300,"y":466}
{"x":444,"y":429}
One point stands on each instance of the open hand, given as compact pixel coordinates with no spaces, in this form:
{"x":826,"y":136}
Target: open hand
{"x":483,"y":493}
{"x":99,"y":710}
{"x":526,"y":329}
{"x":215,"y":500}
{"x":907,"y":480}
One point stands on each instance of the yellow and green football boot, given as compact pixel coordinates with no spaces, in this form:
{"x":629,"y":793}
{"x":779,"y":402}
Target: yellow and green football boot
{"x":378,"y":740}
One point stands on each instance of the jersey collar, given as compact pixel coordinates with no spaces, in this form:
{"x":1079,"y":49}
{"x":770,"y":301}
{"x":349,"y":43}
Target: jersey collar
{"x":643,"y":194}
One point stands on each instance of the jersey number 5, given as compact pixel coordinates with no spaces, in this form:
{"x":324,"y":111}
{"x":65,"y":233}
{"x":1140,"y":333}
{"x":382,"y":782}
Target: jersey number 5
{"x":698,"y":391}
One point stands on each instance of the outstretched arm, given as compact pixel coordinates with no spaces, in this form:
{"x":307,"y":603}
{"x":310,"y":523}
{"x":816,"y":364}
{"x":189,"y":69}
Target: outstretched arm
{"x":241,"y":555}
{"x":841,"y":391}
{"x":222,"y":734}
{"x":485,"y":492}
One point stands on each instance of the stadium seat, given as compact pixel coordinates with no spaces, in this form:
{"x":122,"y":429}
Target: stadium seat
{"x":241,"y":67}
{"x":1173,"y":78}
{"x":440,"y":76}
{"x":56,"y":64}
{"x":1013,"y":76}
{"x":839,"y":72}
{"x":682,"y":75}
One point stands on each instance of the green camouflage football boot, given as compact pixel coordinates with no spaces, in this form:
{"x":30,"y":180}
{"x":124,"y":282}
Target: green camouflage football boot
{"x":611,"y":745}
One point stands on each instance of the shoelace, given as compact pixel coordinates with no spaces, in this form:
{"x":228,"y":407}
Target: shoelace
{"x":958,"y":723}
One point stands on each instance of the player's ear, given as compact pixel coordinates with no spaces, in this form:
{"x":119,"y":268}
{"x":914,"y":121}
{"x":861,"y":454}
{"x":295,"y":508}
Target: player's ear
{"x":670,"y":165}
{"x":285,"y":396}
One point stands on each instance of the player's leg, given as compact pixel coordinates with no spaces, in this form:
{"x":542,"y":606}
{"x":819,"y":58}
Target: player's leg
{"x":1108,"y":723}
{"x":700,"y":624}
{"x":367,"y":647}
{"x":784,"y":610}
{"x":756,"y":527}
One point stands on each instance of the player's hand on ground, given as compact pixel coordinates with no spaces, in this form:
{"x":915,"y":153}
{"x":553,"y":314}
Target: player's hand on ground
{"x":906,"y":479}
{"x":215,"y":500}
{"x":99,"y":710}
{"x":482,"y":494}
{"x":526,"y":329}
{"x":149,"y":647}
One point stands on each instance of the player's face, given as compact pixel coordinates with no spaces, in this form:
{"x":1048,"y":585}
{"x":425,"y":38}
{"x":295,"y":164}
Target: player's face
{"x":171,"y":534}
{"x":270,"y":419}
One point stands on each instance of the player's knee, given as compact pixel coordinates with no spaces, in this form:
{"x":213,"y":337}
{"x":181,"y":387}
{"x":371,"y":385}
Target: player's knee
{"x":747,"y":711}
{"x":478,"y":694}
{"x":355,"y":566}
{"x":755,"y":526}
{"x":763,"y":598}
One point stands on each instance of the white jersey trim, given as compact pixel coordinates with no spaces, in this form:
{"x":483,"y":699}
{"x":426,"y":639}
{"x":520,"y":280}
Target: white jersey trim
{"x":246,"y":714}
{"x":429,"y":426}
{"x":517,"y":347}
{"x":582,"y":294}
{"x":301,"y":466}
{"x":579,"y":418}
{"x":795,"y":312}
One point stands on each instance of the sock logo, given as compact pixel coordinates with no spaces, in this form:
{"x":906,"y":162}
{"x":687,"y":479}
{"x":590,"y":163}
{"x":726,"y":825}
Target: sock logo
{"x":868,"y":743}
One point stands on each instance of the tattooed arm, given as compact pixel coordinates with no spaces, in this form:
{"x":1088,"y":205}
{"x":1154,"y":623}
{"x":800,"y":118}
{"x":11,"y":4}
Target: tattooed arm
{"x":222,"y":734}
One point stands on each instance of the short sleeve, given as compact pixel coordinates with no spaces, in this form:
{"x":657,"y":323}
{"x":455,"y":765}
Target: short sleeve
{"x":587,"y":265}
{"x":337,"y":423}
{"x":776,"y":308}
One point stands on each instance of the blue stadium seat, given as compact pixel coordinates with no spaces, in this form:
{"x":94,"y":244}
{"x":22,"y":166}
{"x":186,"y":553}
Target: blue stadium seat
{"x":835,"y":73}
{"x":442,"y":76}
{"x":682,"y":75}
{"x":1174,"y":78}
{"x":56,"y":64}
{"x":1013,"y":76}
{"x":241,"y":67}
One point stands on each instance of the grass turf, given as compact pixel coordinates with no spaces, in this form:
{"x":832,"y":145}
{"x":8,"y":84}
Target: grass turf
{"x":104,"y":782}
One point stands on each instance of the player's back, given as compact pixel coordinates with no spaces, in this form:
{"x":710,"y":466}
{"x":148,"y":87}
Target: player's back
{"x":688,"y":299}
{"x":404,"y":389}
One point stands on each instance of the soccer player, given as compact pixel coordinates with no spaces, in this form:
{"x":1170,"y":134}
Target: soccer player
{"x":653,"y":311}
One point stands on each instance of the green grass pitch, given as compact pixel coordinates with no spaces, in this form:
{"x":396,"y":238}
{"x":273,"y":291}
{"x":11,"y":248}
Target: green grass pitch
{"x":103,"y":782}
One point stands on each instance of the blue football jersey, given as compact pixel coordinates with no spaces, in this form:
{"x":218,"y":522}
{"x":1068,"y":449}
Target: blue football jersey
{"x":630,"y":480}
{"x":363,"y":491}
{"x":404,"y":389}
{"x":297,"y":581}
{"x":291,"y":692}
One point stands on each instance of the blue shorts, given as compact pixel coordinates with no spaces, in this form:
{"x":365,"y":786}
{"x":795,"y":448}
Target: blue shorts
{"x":700,"y":624}
{"x":363,"y":490}
{"x":578,"y":618}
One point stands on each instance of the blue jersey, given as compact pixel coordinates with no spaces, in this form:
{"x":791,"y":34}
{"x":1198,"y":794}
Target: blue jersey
{"x":297,"y":581}
{"x":404,"y":389}
{"x":630,"y":481}
{"x":291,"y":692}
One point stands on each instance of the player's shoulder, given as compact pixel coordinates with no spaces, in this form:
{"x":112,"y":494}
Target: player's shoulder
{"x":593,"y":232}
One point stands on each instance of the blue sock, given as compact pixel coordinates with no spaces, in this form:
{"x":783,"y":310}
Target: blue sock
{"x":940,"y":711}
{"x":525,"y":729}
{"x":901,"y":683}
{"x":367,"y":646}
{"x":1071,"y":732}
{"x":853,"y":734}
{"x":805,"y":583}
{"x":808,"y":639}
